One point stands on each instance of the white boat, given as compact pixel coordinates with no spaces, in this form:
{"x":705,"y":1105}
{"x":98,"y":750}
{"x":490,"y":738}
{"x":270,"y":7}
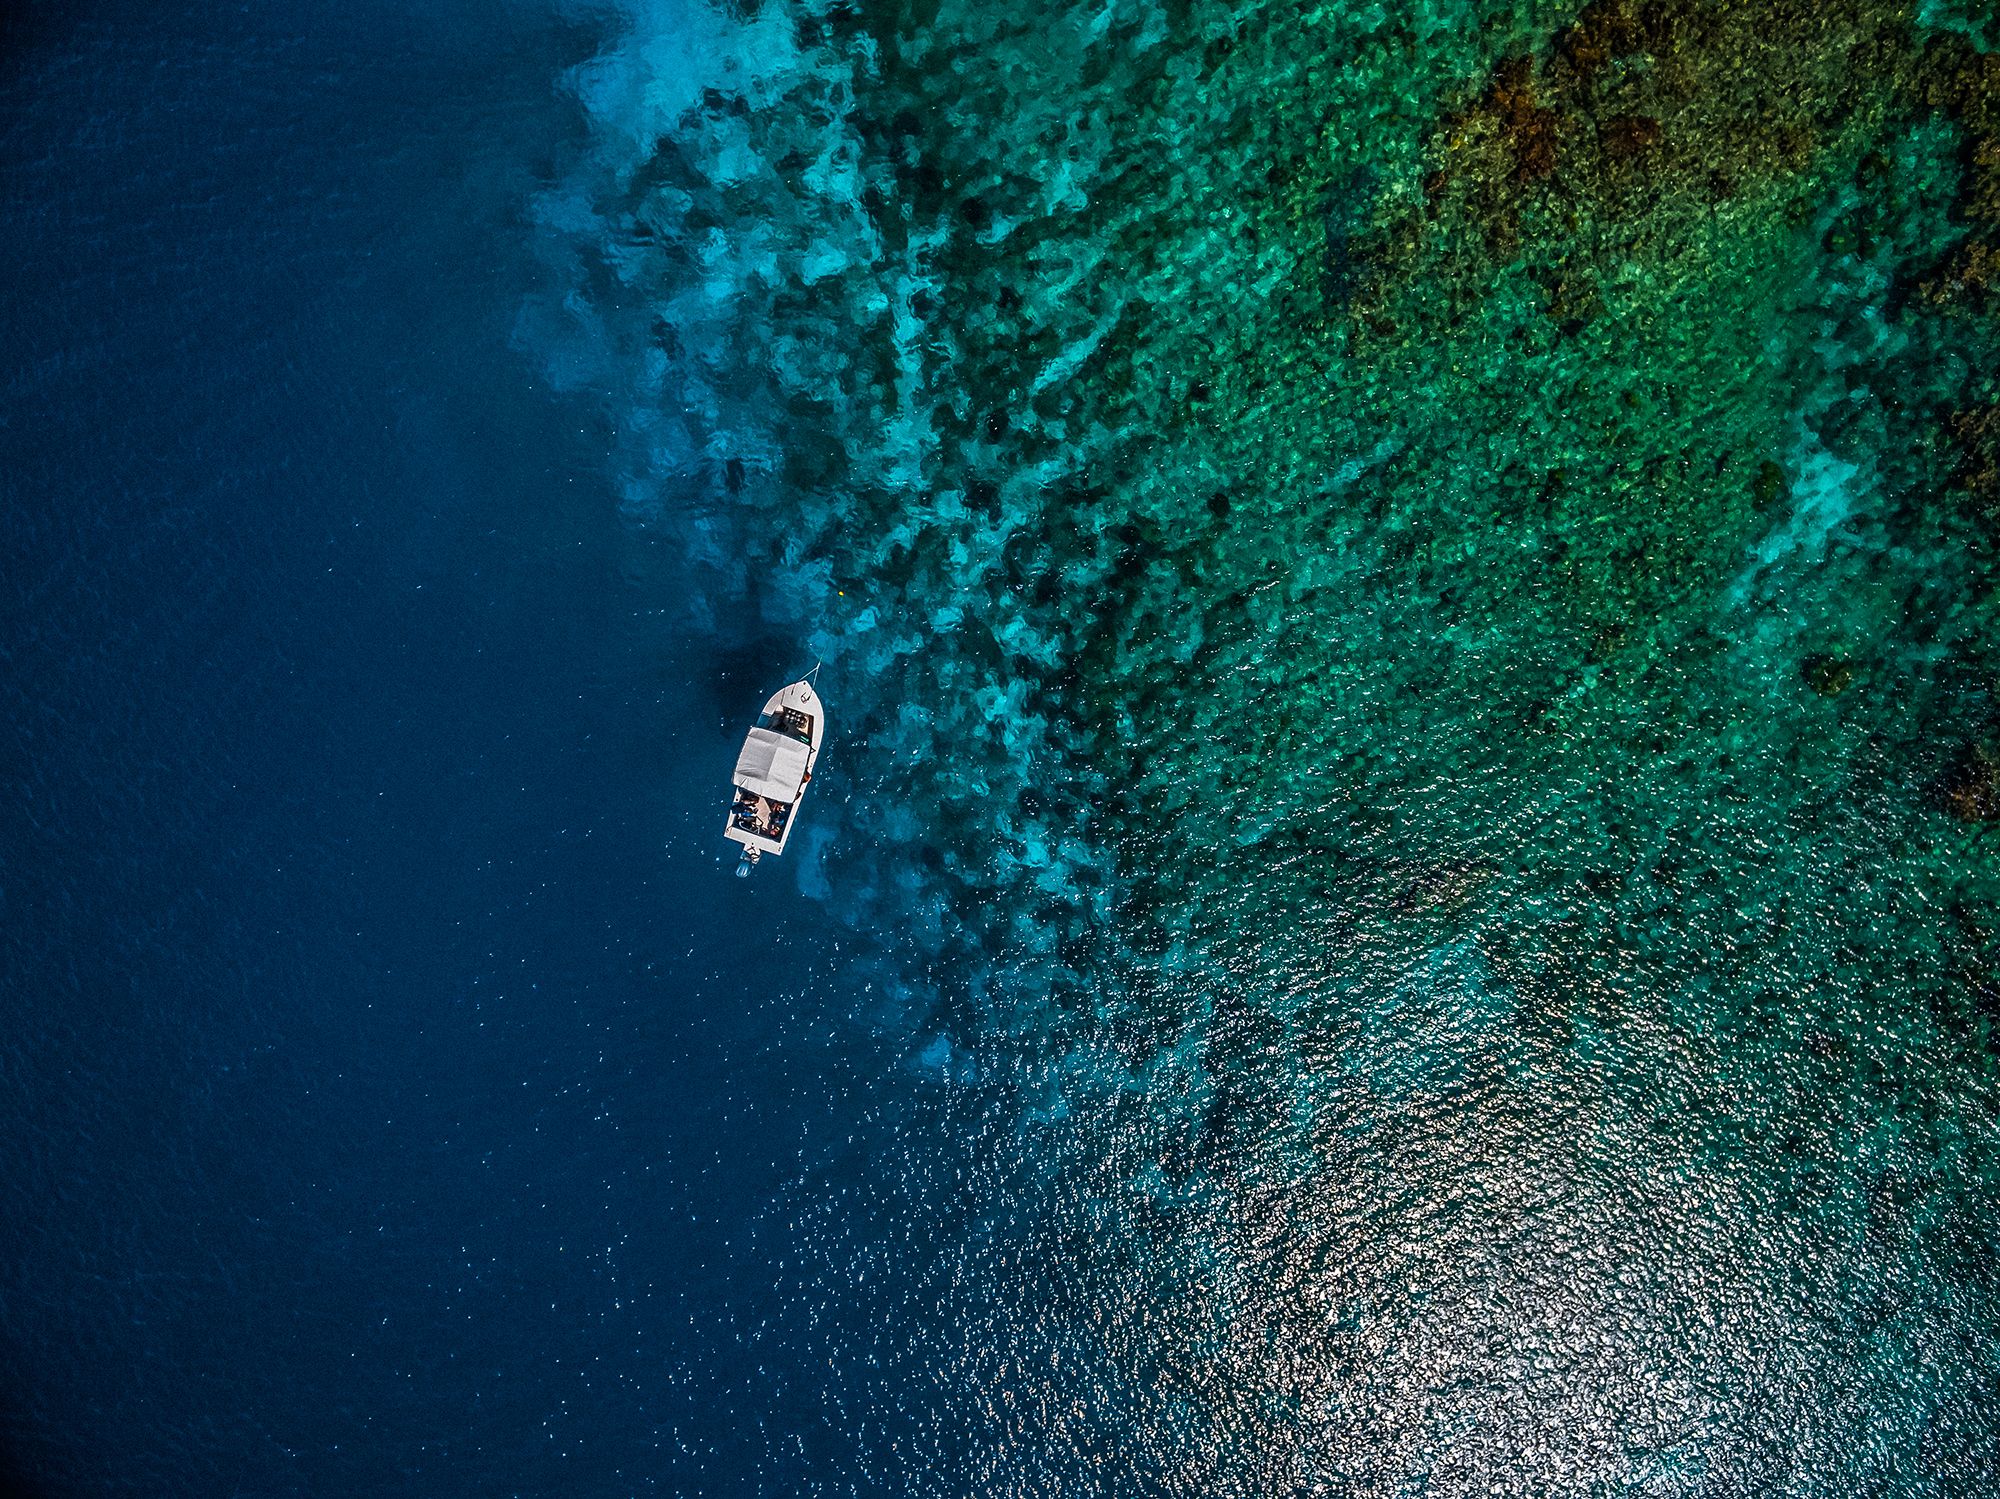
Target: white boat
{"x":773,"y":770}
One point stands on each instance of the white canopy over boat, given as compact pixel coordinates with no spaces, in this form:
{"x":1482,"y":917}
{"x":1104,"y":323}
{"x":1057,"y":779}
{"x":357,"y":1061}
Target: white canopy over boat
{"x":772,"y":765}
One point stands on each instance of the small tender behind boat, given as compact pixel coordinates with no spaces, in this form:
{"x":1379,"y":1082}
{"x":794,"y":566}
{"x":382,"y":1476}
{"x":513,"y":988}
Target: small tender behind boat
{"x":772,"y":772}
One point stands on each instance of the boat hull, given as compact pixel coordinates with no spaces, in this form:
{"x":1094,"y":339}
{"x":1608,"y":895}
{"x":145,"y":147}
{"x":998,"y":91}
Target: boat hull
{"x":763,"y":804}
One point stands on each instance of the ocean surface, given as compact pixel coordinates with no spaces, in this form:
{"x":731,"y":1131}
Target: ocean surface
{"x":1403,"y":895}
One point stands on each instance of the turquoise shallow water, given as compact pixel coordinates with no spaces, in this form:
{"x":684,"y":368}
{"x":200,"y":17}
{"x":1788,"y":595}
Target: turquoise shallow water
{"x":1410,"y":596}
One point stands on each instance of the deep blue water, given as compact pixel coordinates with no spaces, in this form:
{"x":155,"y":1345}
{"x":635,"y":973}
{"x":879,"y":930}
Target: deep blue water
{"x":392,"y":1086}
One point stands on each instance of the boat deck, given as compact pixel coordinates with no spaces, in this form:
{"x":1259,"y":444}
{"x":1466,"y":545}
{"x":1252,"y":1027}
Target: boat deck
{"x":759,"y":816}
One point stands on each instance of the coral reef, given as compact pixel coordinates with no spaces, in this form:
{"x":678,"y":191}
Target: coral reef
{"x":1408,"y":580}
